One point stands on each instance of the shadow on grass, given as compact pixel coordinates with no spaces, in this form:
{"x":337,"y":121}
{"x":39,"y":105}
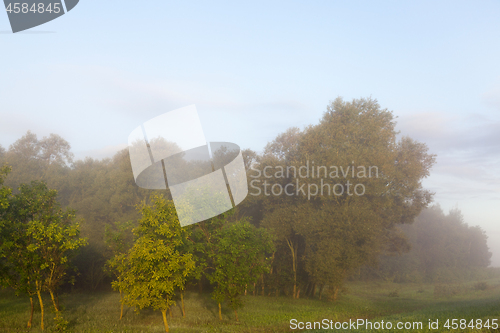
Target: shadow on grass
{"x":209,"y":304}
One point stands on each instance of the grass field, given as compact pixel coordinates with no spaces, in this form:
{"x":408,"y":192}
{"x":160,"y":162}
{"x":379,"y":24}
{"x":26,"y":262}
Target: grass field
{"x":99,"y":312}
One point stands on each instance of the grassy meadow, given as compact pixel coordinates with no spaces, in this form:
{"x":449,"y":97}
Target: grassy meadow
{"x":374,"y":301}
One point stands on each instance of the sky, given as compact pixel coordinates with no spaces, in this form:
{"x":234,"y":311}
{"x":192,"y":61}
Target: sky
{"x":254,"y":69}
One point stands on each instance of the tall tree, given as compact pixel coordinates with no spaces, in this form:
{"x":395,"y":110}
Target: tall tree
{"x":283,"y":222}
{"x":350,"y":180}
{"x":33,"y":159}
{"x":105,"y":195}
{"x":156,"y":266}
{"x":5,"y":193}
{"x":120,"y":243}
{"x":42,"y":239}
{"x":240,"y":257}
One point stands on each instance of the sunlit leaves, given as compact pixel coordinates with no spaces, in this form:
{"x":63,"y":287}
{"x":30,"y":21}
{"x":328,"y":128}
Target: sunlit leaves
{"x":156,"y":266}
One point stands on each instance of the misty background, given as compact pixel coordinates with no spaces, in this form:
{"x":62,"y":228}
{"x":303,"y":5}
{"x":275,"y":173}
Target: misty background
{"x":255,"y":69}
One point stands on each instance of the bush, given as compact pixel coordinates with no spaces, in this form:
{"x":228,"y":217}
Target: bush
{"x":61,"y":324}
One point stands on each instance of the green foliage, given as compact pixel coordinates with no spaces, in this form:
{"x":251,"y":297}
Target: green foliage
{"x":240,"y":257}
{"x":105,"y":195}
{"x":315,"y":243}
{"x":156,"y":266}
{"x":119,"y":241}
{"x":329,"y":236}
{"x":45,"y":232}
{"x":32,"y":159}
{"x":39,"y":240}
{"x":5,"y":193}
{"x":61,"y":324}
{"x":318,"y":241}
{"x":103,"y":192}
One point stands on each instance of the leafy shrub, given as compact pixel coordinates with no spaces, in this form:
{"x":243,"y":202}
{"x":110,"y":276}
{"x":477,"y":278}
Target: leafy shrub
{"x":61,"y":324}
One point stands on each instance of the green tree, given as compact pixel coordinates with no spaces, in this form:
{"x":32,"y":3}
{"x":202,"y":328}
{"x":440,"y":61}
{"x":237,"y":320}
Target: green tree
{"x":119,"y":243}
{"x":156,"y":266}
{"x":354,"y":144}
{"x":240,"y":257}
{"x":47,"y":159}
{"x":283,"y":222}
{"x":43,"y":238}
{"x":5,"y":193}
{"x":105,"y":195}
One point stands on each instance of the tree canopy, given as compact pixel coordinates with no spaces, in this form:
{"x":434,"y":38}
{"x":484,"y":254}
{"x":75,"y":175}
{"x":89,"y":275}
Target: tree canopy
{"x":334,"y":198}
{"x":350,"y":181}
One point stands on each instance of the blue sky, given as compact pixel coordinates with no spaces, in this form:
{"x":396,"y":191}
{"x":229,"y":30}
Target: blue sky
{"x":253,"y":69}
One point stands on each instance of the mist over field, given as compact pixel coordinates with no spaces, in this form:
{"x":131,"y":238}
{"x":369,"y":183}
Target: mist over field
{"x":330,"y":207}
{"x":366,"y":133}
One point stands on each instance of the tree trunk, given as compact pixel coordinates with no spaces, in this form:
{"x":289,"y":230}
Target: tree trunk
{"x":335,"y":293}
{"x":298,"y":293}
{"x":263,"y":285}
{"x":54,"y":303}
{"x":236,"y":314}
{"x":31,"y":312}
{"x":246,"y":285}
{"x":321,"y":290}
{"x":254,"y":287}
{"x":271,"y":273}
{"x":314,"y":290}
{"x":121,"y":304}
{"x":182,"y":303}
{"x":41,"y":307}
{"x":170,"y":312}
{"x":308,"y":289}
{"x":164,"y":315}
{"x":293,"y":249}
{"x":220,"y":312}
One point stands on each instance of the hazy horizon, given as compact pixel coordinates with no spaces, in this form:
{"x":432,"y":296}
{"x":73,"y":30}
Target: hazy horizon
{"x":255,"y":69}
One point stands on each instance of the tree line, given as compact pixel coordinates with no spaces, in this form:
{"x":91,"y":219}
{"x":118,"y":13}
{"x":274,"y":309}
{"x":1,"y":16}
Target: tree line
{"x":442,"y":249}
{"x":154,"y":272}
{"x":304,"y":245}
{"x":37,"y":241}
